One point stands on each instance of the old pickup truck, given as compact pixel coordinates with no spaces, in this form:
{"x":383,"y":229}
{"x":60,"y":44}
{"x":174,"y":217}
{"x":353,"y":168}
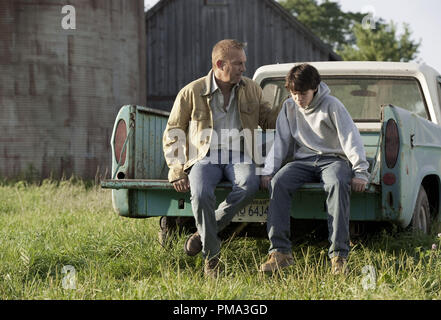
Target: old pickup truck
{"x":396,"y":107}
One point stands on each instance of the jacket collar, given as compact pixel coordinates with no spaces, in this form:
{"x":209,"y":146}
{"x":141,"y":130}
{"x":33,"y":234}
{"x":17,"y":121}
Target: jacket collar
{"x":206,"y":90}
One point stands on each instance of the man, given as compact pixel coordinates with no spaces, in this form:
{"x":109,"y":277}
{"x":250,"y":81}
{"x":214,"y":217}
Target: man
{"x":315,"y":129}
{"x":207,"y":140}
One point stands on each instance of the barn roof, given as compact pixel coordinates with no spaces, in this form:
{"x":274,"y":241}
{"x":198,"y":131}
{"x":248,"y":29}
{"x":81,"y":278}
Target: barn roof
{"x":277,"y":8}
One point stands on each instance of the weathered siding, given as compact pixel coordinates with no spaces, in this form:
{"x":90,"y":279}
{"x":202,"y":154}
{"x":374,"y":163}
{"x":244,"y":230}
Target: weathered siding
{"x":181,"y":34}
{"x":60,"y":90}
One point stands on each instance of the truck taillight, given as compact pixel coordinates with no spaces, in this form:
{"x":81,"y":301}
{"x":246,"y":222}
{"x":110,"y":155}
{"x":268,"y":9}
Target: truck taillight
{"x":120,"y":138}
{"x":392,"y":143}
{"x":389,"y":179}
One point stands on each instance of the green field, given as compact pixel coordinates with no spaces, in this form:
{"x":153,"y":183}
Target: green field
{"x":62,"y":240}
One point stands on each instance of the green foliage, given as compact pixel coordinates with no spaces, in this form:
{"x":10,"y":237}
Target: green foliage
{"x":326,"y":20}
{"x":380,"y":44}
{"x":345,"y":33}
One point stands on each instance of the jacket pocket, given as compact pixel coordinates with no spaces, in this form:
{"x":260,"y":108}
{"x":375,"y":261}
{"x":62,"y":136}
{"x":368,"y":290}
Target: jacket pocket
{"x":249,"y":108}
{"x":199,"y":114}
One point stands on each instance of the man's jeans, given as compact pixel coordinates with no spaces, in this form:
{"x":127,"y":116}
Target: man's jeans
{"x":336,"y":175}
{"x":204,"y":177}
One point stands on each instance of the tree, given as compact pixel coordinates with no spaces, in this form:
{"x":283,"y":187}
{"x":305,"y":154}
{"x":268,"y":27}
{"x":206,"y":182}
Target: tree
{"x":326,"y":20}
{"x":347,"y":34}
{"x":380,"y":44}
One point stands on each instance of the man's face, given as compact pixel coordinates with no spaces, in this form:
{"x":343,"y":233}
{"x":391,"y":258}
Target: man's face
{"x":303,"y":99}
{"x":233,"y":67}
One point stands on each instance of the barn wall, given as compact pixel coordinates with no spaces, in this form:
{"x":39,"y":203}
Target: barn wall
{"x":60,"y":90}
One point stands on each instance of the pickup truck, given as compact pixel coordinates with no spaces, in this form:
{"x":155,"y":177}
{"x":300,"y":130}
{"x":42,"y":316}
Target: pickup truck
{"x":396,"y":107}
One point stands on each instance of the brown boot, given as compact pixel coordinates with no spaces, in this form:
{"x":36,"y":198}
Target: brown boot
{"x":193,"y":245}
{"x":277,"y":260}
{"x":338,"y":265}
{"x":212,"y":268}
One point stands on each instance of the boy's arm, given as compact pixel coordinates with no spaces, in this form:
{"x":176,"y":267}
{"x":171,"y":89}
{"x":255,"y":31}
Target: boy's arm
{"x":267,"y":114}
{"x":282,"y":142}
{"x":351,"y":142}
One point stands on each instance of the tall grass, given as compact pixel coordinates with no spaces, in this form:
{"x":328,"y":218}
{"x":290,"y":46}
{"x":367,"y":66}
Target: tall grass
{"x":54,"y":232}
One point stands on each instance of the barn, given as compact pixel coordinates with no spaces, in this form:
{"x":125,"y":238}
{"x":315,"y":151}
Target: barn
{"x":181,"y":34}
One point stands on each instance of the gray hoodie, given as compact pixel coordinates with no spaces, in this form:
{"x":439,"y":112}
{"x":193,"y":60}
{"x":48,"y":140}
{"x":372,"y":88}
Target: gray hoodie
{"x":323,"y":128}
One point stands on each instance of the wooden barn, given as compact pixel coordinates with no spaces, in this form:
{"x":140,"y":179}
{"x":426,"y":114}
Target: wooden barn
{"x":181,"y":34}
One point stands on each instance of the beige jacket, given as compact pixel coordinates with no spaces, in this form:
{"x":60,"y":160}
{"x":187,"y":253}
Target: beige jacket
{"x":187,"y":136}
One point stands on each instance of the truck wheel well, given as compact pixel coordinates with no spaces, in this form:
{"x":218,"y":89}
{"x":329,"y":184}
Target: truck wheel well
{"x":432,"y":186}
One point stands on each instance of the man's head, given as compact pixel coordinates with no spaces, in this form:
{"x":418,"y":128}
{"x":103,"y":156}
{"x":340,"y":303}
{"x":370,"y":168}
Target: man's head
{"x":228,"y":60}
{"x":302,"y":82}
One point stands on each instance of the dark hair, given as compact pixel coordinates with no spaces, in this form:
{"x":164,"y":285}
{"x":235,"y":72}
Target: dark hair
{"x":302,"y":77}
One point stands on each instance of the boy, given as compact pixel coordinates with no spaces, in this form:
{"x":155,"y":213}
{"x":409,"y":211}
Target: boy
{"x":317,"y":131}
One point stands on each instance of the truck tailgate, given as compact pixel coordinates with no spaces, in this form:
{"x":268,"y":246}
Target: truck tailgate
{"x":150,"y":198}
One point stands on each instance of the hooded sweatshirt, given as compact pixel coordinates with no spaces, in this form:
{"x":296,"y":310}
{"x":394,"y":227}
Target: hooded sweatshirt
{"x":322,"y":128}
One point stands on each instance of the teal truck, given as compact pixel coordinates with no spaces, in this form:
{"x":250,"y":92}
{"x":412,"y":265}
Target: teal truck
{"x":396,"y":107}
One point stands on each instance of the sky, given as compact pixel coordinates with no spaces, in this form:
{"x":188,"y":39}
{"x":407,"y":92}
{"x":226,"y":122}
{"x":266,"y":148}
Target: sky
{"x":423,"y":16}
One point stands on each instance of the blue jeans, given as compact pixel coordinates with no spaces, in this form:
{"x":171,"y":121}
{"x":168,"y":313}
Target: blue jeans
{"x":336,"y":174}
{"x":204,"y":176}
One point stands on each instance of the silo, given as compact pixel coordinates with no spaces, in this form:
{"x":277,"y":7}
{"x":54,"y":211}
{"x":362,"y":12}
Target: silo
{"x":60,"y":89}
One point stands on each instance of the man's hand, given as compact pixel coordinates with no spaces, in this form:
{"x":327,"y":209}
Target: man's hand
{"x":182,"y":185}
{"x":265,"y":181}
{"x":358,"y":185}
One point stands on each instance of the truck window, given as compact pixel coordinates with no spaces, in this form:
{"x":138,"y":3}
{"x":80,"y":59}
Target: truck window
{"x":362,"y":96}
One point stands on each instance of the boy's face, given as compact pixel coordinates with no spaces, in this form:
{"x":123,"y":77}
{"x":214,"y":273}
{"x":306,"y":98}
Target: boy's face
{"x":303,"y":99}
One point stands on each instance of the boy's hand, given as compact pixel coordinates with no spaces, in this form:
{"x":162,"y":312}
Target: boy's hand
{"x":182,"y":185}
{"x":265,"y":181}
{"x":358,"y":185}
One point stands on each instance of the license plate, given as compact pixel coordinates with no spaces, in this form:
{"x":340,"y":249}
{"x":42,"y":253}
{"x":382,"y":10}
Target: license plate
{"x":256,"y":211}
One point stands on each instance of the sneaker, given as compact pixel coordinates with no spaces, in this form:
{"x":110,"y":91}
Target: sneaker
{"x":338,"y":265}
{"x":277,"y":260}
{"x":193,"y":245}
{"x":212,"y":268}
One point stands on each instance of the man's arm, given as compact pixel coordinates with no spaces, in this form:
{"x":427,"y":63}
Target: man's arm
{"x":175,"y":144}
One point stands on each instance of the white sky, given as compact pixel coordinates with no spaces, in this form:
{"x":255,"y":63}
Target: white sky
{"x":423,"y":16}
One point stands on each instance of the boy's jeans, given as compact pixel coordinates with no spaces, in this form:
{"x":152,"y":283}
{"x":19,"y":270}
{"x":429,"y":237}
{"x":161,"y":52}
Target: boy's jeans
{"x":204,"y":177}
{"x":336,"y":175}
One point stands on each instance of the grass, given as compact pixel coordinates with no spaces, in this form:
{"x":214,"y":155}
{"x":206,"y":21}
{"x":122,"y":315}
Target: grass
{"x":56,"y":231}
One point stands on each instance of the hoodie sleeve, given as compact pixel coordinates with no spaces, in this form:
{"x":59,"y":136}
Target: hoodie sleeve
{"x":282,"y":144}
{"x":350,"y":141}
